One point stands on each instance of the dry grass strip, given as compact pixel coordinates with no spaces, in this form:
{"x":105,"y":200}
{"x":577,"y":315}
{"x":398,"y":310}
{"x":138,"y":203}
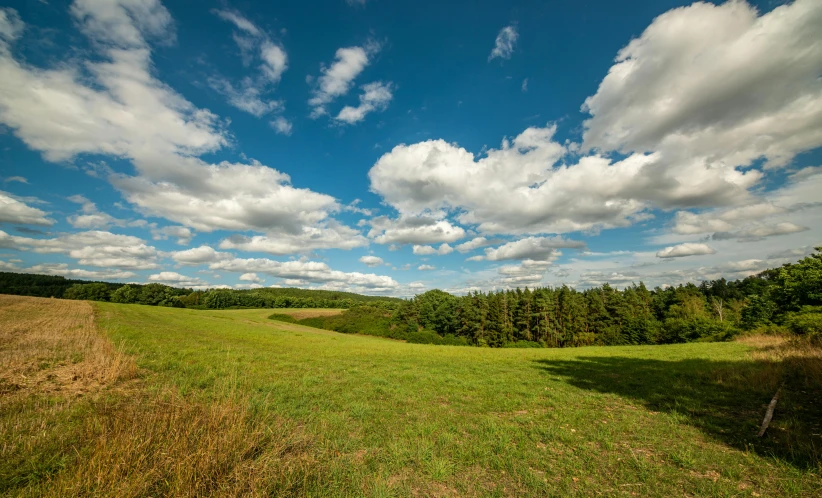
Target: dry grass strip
{"x":63,"y":434}
{"x":52,"y":345}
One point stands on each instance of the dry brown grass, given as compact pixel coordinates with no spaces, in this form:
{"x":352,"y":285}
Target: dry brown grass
{"x":71,"y":426}
{"x":299,"y":314}
{"x":785,"y":359}
{"x":175,"y":447}
{"x":796,"y":365}
{"x":52,"y":345}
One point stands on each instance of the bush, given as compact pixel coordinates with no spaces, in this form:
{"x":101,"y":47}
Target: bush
{"x":806,"y":323}
{"x":282,"y":318}
{"x":696,"y":329}
{"x":523,"y":344}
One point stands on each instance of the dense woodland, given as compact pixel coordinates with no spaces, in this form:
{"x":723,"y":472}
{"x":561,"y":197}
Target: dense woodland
{"x":780,"y":300}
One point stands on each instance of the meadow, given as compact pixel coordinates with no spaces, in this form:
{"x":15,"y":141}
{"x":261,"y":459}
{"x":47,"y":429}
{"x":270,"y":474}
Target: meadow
{"x":103,"y":399}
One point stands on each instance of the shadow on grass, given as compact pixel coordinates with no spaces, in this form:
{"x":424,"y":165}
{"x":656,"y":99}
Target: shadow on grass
{"x":725,"y":400}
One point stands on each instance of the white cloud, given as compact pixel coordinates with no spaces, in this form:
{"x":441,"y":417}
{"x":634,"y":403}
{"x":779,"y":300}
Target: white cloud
{"x":416,"y":285}
{"x":19,"y":179}
{"x":63,"y":270}
{"x":332,"y":236}
{"x":229,"y":196}
{"x":759,"y":231}
{"x":14,"y":210}
{"x":442,"y":250}
{"x":177,"y":280}
{"x":11,"y":26}
{"x":532,"y":248}
{"x":248,"y":97}
{"x":717,"y":82}
{"x":686,"y":249}
{"x":529,"y":272}
{"x":91,"y":248}
{"x":375,"y":97}
{"x":91,"y":217}
{"x":594,"y":193}
{"x":336,"y":79}
{"x":472,"y":244}
{"x":251,"y":277}
{"x":413,"y":230}
{"x":525,"y":85}
{"x":199,"y":255}
{"x":282,"y":126}
{"x":182,"y":234}
{"x":372,"y":261}
{"x":426,"y":268}
{"x":254,"y":44}
{"x":308,"y":272}
{"x":504,"y":44}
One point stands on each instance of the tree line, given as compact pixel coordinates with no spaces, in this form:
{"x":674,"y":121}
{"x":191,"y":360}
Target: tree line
{"x":780,"y":300}
{"x":156,"y":294}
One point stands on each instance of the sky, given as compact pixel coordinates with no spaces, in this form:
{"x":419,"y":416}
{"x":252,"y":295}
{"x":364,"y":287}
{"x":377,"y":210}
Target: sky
{"x":390,"y":147}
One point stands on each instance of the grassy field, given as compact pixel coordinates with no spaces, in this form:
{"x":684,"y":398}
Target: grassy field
{"x":194,"y":403}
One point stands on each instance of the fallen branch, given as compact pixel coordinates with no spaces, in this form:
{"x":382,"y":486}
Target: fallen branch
{"x":769,"y":413}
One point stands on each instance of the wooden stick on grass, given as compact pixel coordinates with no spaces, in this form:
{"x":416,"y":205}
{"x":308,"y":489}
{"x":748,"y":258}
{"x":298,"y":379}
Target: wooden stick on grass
{"x":769,"y":413}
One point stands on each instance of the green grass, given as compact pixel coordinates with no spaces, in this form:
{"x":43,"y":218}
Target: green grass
{"x":397,"y":419}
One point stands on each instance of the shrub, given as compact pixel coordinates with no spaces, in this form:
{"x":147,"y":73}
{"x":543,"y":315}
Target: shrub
{"x":282,"y":318}
{"x":523,"y":344}
{"x":806,"y":323}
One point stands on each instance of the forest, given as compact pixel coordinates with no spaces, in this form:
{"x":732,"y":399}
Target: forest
{"x":785,"y":300}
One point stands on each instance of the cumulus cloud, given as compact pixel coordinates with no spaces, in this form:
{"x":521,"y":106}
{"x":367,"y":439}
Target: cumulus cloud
{"x":282,"y":126}
{"x":375,"y":97}
{"x":472,"y":244}
{"x":177,"y":280}
{"x":372,"y":261}
{"x":91,"y":248}
{"x":182,"y":234}
{"x":91,"y":217}
{"x":121,"y":110}
{"x":308,"y":272}
{"x":413,"y":230}
{"x":436,"y":176}
{"x":504,"y":44}
{"x":686,"y":249}
{"x":531,"y":248}
{"x":336,"y":80}
{"x":426,"y":268}
{"x":251,"y":277}
{"x":64,"y":270}
{"x":760,"y":231}
{"x":13,"y":209}
{"x":718,"y":82}
{"x":442,"y":250}
{"x":332,"y":235}
{"x":199,"y":255}
{"x":789,"y":209}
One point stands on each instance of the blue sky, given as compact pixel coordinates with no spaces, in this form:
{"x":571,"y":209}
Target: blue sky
{"x":393,"y":147}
